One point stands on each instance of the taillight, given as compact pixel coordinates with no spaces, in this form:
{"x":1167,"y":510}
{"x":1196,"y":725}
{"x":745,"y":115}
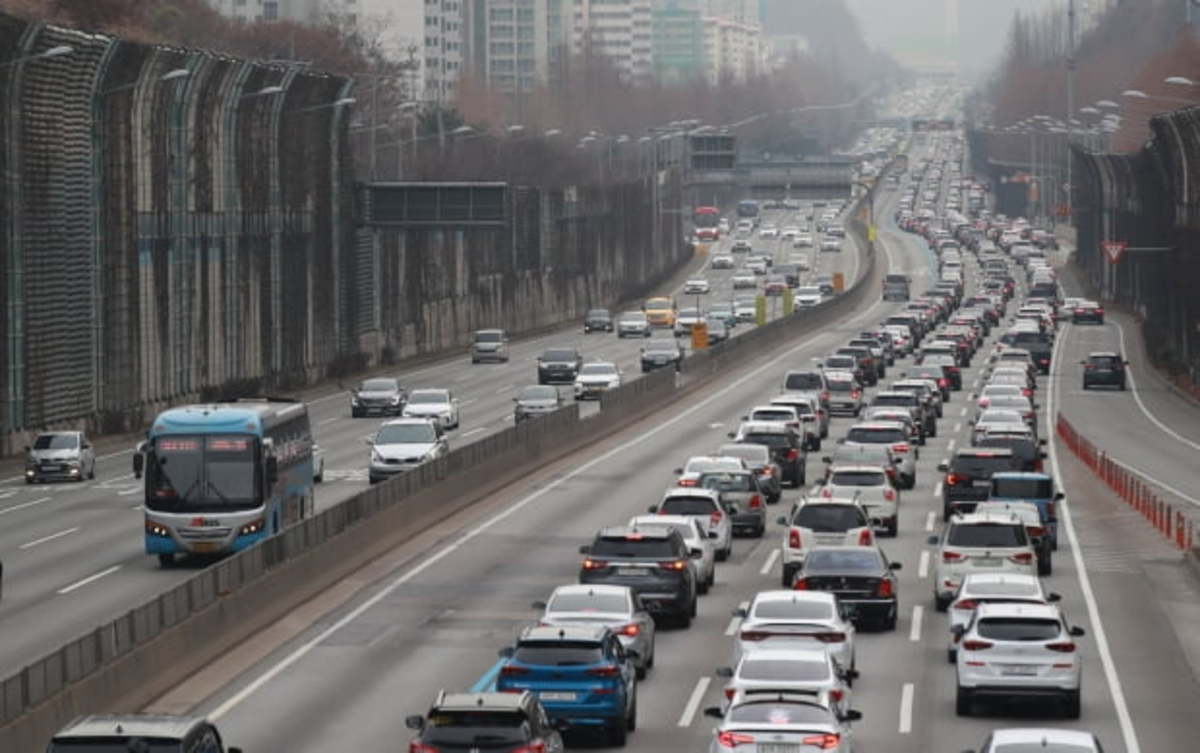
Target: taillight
{"x":826,"y":741}
{"x":755,"y":502}
{"x":729,"y":739}
{"x":976,"y":645}
{"x":953,"y":479}
{"x":864,"y":537}
{"x":889,"y":495}
{"x":855,"y":393}
{"x":830,"y":637}
{"x":793,"y":454}
{"x":715,"y":518}
{"x":836,"y":695}
{"x":902,"y":447}
{"x":675,"y":565}
{"x":609,"y":670}
{"x":794,"y":539}
{"x":801,"y":584}
{"x":890,"y":471}
{"x":967,"y":605}
{"x":632,"y":629}
{"x":942,"y":382}
{"x":419,"y":747}
{"x":754,"y":635}
{"x":1035,"y":531}
{"x":884,"y":589}
{"x":730,"y":693}
{"x":1066,"y":647}
{"x":591,"y":564}
{"x":1021,"y":558}
{"x":951,"y":556}
{"x":1025,"y":391}
{"x":538,"y":747}
{"x":687,"y":482}
{"x":510,"y":670}
{"x":1099,"y":311}
{"x":826,"y":492}
{"x":984,"y":402}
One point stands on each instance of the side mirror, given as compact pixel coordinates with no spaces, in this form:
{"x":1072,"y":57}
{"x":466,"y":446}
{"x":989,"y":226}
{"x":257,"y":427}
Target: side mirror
{"x":506,"y":653}
{"x":1077,"y":632}
{"x":585,"y":549}
{"x":853,"y":715}
{"x":895,"y":566}
{"x":826,"y":460}
{"x":745,"y":418}
{"x":1042,"y":442}
{"x":958,"y":630}
{"x":696,"y":553}
{"x":850,"y":674}
{"x":781,"y":520}
{"x":678,"y":471}
{"x":514,"y":399}
{"x":139,"y":463}
{"x":412,"y":722}
{"x":943,"y":466}
{"x":725,"y":672}
{"x":1043,"y":454}
{"x":652,"y":508}
{"x":370,"y":442}
{"x":233,"y":750}
{"x":932,"y":540}
{"x":538,"y":605}
{"x":731,"y":435}
{"x":1059,"y":496}
{"x":715,"y":712}
{"x":1053,"y":597}
{"x":740,"y":612}
{"x":631,"y":654}
{"x":714,"y":535}
{"x":272,"y":470}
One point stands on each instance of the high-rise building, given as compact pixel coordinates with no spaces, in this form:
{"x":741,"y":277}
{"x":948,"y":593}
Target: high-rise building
{"x":517,"y":45}
{"x":733,"y":49}
{"x":300,"y":11}
{"x":678,"y":41}
{"x":620,"y":31}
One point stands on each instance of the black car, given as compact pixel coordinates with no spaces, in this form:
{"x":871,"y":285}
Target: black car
{"x":936,"y":372}
{"x":509,"y":722}
{"x":968,"y":479}
{"x":1087,"y":311}
{"x":785,"y":445}
{"x":654,"y":562}
{"x":1039,"y":345}
{"x":382,"y":396}
{"x":953,"y":374}
{"x":1104,"y":368}
{"x":536,"y":400}
{"x":559,"y":366}
{"x":598,"y":320}
{"x":660,"y":353}
{"x":1027,"y":451}
{"x":872,"y":368}
{"x":790,"y":272}
{"x":860,"y":576}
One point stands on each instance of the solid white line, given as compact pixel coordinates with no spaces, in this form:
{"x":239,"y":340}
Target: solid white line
{"x":1142,"y":406}
{"x":467,"y":401}
{"x":906,"y":708}
{"x":914,"y":632}
{"x":770,"y":563}
{"x":23,"y":505}
{"x":502,"y":390}
{"x":937,"y":491}
{"x":923,"y":565}
{"x":736,"y":622}
{"x":962,"y":411}
{"x":950,"y":447}
{"x":329,"y":420}
{"x":51,"y":537}
{"x":89,"y":579}
{"x":1115,"y":689}
{"x":958,"y":427}
{"x":472,"y":431}
{"x":930,"y":519}
{"x":693,"y":703}
{"x":489,"y":525}
{"x":127,"y":492}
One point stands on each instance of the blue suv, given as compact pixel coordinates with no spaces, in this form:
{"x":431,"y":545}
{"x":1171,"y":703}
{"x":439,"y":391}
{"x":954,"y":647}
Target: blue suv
{"x":580,"y":673}
{"x":1037,"y":488}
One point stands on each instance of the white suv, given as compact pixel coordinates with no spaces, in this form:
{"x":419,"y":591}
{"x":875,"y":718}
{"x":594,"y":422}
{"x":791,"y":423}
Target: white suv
{"x":871,"y":486}
{"x":704,"y":504}
{"x":979,"y":542}
{"x":1018,"y":651}
{"x":985,"y":588}
{"x":825,"y":522}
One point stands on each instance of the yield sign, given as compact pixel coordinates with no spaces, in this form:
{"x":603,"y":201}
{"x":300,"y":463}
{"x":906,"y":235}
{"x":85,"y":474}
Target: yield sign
{"x":1114,"y":250}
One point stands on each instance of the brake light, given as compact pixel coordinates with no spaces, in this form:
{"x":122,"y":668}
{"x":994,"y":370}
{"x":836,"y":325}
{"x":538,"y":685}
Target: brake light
{"x":942,"y":382}
{"x":1035,"y":530}
{"x":609,"y":670}
{"x":1099,"y":311}
{"x":715,"y":518}
{"x":984,"y":402}
{"x":1021,"y":558}
{"x":889,"y":495}
{"x":890,"y":471}
{"x":953,"y":479}
{"x":419,"y":747}
{"x":855,"y":393}
{"x":632,"y":629}
{"x":976,"y":645}
{"x":826,"y":492}
{"x":1050,"y":510}
{"x":1025,"y":391}
{"x":836,"y":695}
{"x":675,"y":565}
{"x":902,"y":447}
{"x":794,"y":539}
{"x":687,"y":482}
{"x":591,"y":564}
{"x":967,"y":605}
{"x":801,"y":584}
{"x":538,"y":747}
{"x":729,"y":739}
{"x":951,"y":556}
{"x":730,"y":692}
{"x":509,"y":670}
{"x":754,"y":635}
{"x":1066,"y":647}
{"x":755,"y":502}
{"x":1044,"y":360}
{"x":864,"y":537}
{"x":793,"y":454}
{"x":827,"y":741}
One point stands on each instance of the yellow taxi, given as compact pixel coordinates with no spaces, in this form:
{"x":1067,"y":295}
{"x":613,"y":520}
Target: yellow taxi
{"x":660,"y":312}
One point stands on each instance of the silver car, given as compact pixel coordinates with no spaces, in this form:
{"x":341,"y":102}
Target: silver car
{"x":699,"y":543}
{"x":633,"y":324}
{"x":795,"y":668}
{"x":489,"y":345}
{"x":403,"y":444}
{"x":766,"y":721}
{"x":60,"y":455}
{"x":785,"y":618}
{"x":616,"y":607}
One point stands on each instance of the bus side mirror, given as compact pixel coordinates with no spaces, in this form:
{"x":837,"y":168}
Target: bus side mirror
{"x":139,"y":463}
{"x":272,"y":470}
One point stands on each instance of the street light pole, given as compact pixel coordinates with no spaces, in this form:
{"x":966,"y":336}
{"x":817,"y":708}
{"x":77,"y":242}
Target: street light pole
{"x":1070,"y":103}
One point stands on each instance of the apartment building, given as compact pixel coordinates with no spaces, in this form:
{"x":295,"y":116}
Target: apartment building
{"x":678,"y":41}
{"x":618,"y":30}
{"x":733,"y":49}
{"x":518,"y":45}
{"x":300,"y":11}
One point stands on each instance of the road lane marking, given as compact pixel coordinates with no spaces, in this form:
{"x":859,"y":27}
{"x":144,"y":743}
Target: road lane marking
{"x":89,"y":579}
{"x":962,"y":411}
{"x":736,"y":622}
{"x":420,"y":567}
{"x":958,"y":427}
{"x":23,"y":505}
{"x":693,"y":703}
{"x":923,"y":565}
{"x":329,"y":420}
{"x":930,"y":519}
{"x":937,"y":491}
{"x":502,"y":390}
{"x":467,"y":401}
{"x":906,"y":708}
{"x":51,"y":537}
{"x":716,"y":425}
{"x":127,"y":492}
{"x":950,"y":447}
{"x":472,"y":431}
{"x":914,"y":632}
{"x":770,"y":563}
{"x":1115,"y":689}
{"x":1142,"y":406}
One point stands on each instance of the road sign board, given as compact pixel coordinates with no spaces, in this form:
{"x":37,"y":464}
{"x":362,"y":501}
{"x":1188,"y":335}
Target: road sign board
{"x":1113,"y":250}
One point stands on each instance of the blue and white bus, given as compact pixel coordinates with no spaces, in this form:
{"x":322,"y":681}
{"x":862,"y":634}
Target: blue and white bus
{"x":748,"y":209}
{"x":222,"y":476}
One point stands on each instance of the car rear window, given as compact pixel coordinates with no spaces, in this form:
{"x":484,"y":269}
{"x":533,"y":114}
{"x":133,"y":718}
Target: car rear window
{"x":1007,"y":588}
{"x":792,"y":610}
{"x":977,"y":466}
{"x":802,"y":382}
{"x":985,"y":535}
{"x":623,"y":547}
{"x":727,"y":482}
{"x":876,"y":436}
{"x":687,"y":506}
{"x":558,"y":355}
{"x":903,"y":401}
{"x":559,"y":653}
{"x":1042,"y":747}
{"x":774,"y":712}
{"x":770,"y":440}
{"x":773,"y":415}
{"x":859,"y":560}
{"x":1105,"y":361}
{"x":1023,"y":488}
{"x":786,"y":670}
{"x":858,"y":478}
{"x":589,"y":602}
{"x":1018,"y":628}
{"x":841,"y":385}
{"x":829,"y":518}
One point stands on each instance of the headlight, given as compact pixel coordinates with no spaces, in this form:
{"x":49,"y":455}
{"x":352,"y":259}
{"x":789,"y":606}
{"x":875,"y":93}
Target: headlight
{"x":254,"y":526}
{"x":354,"y":400}
{"x":396,"y":400}
{"x":156,"y":529}
{"x":376,"y":457}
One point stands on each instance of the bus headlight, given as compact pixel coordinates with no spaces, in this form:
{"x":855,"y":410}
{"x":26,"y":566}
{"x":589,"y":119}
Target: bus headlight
{"x":156,"y":529}
{"x":254,"y":526}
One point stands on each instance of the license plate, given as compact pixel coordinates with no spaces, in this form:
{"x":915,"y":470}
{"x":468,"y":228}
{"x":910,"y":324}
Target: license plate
{"x":555,"y":696}
{"x":988,"y":562}
{"x":778,"y":748}
{"x":634,"y":571}
{"x":1019,"y":670}
{"x":204,"y":546}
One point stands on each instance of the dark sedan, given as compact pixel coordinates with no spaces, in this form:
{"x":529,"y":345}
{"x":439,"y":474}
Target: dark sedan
{"x":1104,"y":369}
{"x":661,"y":352}
{"x":861,"y":577}
{"x":1087,"y":311}
{"x":559,"y":365}
{"x":598,"y":320}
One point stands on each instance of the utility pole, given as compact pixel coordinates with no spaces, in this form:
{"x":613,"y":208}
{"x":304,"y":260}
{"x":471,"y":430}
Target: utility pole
{"x":1070,"y":103}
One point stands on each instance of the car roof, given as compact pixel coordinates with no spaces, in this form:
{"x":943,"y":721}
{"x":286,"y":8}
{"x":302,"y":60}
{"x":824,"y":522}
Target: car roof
{"x":489,"y":331}
{"x":1103,"y":353}
{"x":131,"y":725}
{"x":878,"y":425}
{"x":442,"y":391}
{"x":1041,"y":735}
{"x":662,"y":520}
{"x":693,"y":491}
{"x":855,"y":467}
{"x":477,"y":701}
{"x":409,"y":421}
{"x":797,"y":653}
{"x":983,"y":452}
{"x":1029,"y":475}
{"x":622,"y":532}
{"x":1001,"y":577}
{"x":765,"y":427}
{"x":574,"y":632}
{"x":1016,"y":609}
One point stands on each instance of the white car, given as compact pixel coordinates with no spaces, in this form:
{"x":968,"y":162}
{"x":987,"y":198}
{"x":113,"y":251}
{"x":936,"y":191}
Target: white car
{"x":633,"y":324}
{"x":769,"y":232}
{"x":873,"y":489}
{"x":902,"y":340}
{"x":786,"y":618}
{"x":403,"y":444}
{"x":896,"y":436}
{"x":996,"y":390}
{"x":704,"y":504}
{"x":438,"y":404}
{"x":993,"y":417}
{"x":795,"y":668}
{"x":789,"y":232}
{"x":765,"y":719}
{"x":696,"y":286}
{"x":1012,"y":651}
{"x":745,"y":309}
{"x":596,"y":378}
{"x":831,"y":244}
{"x":698,"y":465}
{"x":757,"y":266}
{"x":721,"y":261}
{"x":821,"y":522}
{"x":745,"y":278}
{"x":986,"y":588}
{"x":618,"y":607}
{"x":697,"y":539}
{"x":979,"y":543}
{"x":1039,"y":738}
{"x":806,"y":297}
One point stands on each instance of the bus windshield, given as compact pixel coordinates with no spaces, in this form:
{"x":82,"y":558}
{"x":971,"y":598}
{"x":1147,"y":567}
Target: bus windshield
{"x":706,"y":217}
{"x":202,"y":472}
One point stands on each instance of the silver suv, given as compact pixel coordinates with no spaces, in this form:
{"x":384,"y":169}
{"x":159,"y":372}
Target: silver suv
{"x":489,"y":345}
{"x":60,"y":455}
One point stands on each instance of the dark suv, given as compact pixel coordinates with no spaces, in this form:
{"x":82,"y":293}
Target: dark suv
{"x":785,"y":445}
{"x":559,"y":365}
{"x":660,"y":353}
{"x":598,"y":320}
{"x":872,"y":368}
{"x":1039,"y":345}
{"x":1104,"y":368}
{"x":968,"y":479}
{"x":497,"y":722}
{"x":654,"y":562}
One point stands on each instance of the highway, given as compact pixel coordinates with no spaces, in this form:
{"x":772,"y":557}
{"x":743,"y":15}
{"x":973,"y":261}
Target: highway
{"x":436,"y":615}
{"x":73,"y":553}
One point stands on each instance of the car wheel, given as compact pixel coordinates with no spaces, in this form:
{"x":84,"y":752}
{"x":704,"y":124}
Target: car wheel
{"x":702,"y":587}
{"x":30,"y":479}
{"x":1121,"y":386}
{"x":962,"y":702}
{"x":166,"y":561}
{"x":1054,"y":544}
{"x":712,"y":577}
{"x":319,"y":476}
{"x":760,"y":531}
{"x":952,"y":655}
{"x":474,"y":360}
{"x":641,"y":672}
{"x":92,"y":471}
{"x":617,"y":733}
{"x":788,"y":575}
{"x":685,"y":620}
{"x":1045,"y":565}
{"x":940,"y":603}
{"x":889,"y":622}
{"x":723,"y":554}
{"x":891,"y":527}
{"x":1071,"y":705}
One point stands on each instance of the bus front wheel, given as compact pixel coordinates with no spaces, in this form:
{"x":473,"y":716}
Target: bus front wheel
{"x":166,"y":560}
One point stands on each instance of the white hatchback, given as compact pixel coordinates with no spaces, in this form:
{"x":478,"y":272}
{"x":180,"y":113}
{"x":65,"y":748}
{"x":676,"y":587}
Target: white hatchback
{"x":871,"y":486}
{"x":979,"y":542}
{"x":704,"y":505}
{"x":783,"y":619}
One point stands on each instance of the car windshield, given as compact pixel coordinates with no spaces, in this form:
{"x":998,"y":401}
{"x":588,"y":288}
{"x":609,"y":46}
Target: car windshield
{"x":876,"y":436}
{"x":841,"y":362}
{"x":1018,"y":628}
{"x":987,"y":535}
{"x":116,"y":744}
{"x":191,"y":472}
{"x":771,"y":713}
{"x":596,"y":369}
{"x":633,"y":545}
{"x":558,"y":355}
{"x":687,"y":506}
{"x":633,"y":317}
{"x":787,"y":670}
{"x":802,"y":381}
{"x":778,"y":609}
{"x":858,"y":478}
{"x":481,"y":728}
{"x":539,"y":393}
{"x":903,"y":401}
{"x":1022,"y":488}
{"x":598,"y":314}
{"x":727,"y":482}
{"x":662,"y":346}
{"x":829,"y":518}
{"x":689,"y":313}
{"x":841,"y":385}
{"x":419,"y":397}
{"x":56,"y":442}
{"x":488,"y":337}
{"x":862,"y":560}
{"x":808,"y":290}
{"x":405,"y":434}
{"x":559,"y":653}
{"x":1104,"y":361}
{"x":379,"y":385}
{"x":1004,"y":416}
{"x":588,"y":602}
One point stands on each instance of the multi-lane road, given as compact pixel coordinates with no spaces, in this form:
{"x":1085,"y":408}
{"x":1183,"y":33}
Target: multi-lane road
{"x":72,"y":552}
